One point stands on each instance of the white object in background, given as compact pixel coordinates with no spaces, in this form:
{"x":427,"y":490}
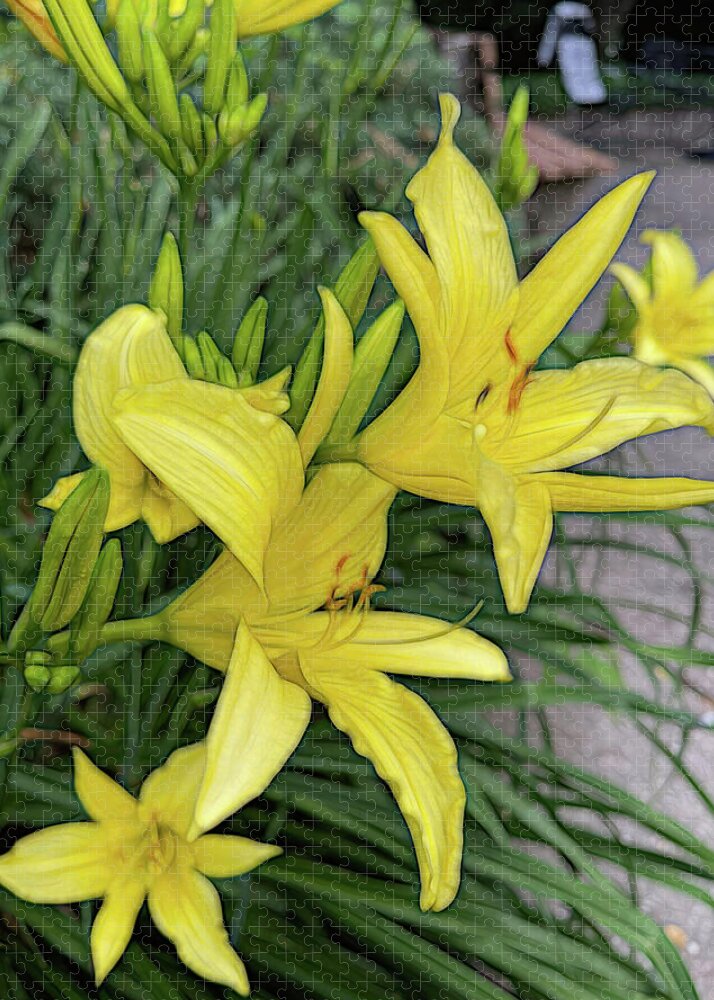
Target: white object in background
{"x":568,"y":34}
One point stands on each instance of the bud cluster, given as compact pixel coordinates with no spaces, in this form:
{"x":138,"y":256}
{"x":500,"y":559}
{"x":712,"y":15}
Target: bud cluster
{"x":178,"y":80}
{"x":75,"y":590}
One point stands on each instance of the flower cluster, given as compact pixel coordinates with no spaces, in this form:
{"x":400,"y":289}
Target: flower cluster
{"x":300,"y":500}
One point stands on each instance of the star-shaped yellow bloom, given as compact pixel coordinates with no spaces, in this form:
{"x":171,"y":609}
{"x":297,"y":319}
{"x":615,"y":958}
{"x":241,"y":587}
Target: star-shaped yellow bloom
{"x":312,"y":635}
{"x":132,"y":850}
{"x":476,"y":425}
{"x":168,"y":441}
{"x":675,"y":311}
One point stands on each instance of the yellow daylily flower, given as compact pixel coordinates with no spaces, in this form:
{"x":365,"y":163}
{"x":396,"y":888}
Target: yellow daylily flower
{"x":34,"y":16}
{"x":256,"y":18}
{"x":675,"y":311}
{"x":134,"y":850}
{"x":476,"y":425}
{"x":171,"y":443}
{"x":312,"y":635}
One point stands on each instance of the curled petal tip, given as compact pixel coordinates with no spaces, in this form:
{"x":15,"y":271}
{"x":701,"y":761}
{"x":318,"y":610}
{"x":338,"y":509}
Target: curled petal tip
{"x":450,"y":114}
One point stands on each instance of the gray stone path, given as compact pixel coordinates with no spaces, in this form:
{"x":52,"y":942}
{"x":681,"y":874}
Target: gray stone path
{"x":682,"y":196}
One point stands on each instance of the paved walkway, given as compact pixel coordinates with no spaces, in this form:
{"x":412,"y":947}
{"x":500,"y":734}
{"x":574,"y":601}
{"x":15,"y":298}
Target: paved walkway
{"x":681,"y":197}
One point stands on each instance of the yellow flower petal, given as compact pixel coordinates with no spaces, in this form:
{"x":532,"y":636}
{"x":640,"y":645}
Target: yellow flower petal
{"x":674,"y":268}
{"x":410,"y":271}
{"x":469,"y":246}
{"x":223,"y":857}
{"x":519,"y":516}
{"x":575,"y":492}
{"x":567,"y":417}
{"x":131,"y":348}
{"x":553,"y":290}
{"x":634,"y":284}
{"x":701,"y":371}
{"x":60,"y":864}
{"x":114,"y":923}
{"x":259,"y":720}
{"x":187,"y":909}
{"x":237,"y":468}
{"x":102,"y":798}
{"x":305,"y":567}
{"x":203,"y":620}
{"x":398,"y":643}
{"x":169,"y":793}
{"x":334,"y":376}
{"x":256,"y":18}
{"x":166,"y":515}
{"x":411,"y":750}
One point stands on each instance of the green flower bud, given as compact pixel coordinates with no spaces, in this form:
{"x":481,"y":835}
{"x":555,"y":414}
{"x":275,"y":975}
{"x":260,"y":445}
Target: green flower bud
{"x":352,"y":290}
{"x":371,"y":358}
{"x":166,"y":289}
{"x":249,"y":339}
{"x":210,"y":355}
{"x":129,"y":42}
{"x":85,"y":629}
{"x":163,"y":100}
{"x":191,"y":127}
{"x":221,"y":47}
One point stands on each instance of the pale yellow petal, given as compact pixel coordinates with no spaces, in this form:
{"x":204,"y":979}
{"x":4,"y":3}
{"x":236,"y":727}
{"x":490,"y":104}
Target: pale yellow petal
{"x":60,"y":864}
{"x":125,"y":499}
{"x":469,"y":246}
{"x":266,"y":18}
{"x":577,"y":492}
{"x":674,"y":268}
{"x":204,"y":619}
{"x":424,"y":397}
{"x":401,"y":643}
{"x":131,"y":348}
{"x":102,"y":798}
{"x":701,"y":371}
{"x":239,"y":469}
{"x":557,"y":285}
{"x":114,"y":923}
{"x":332,"y":543}
{"x":187,"y":909}
{"x":259,"y":720}
{"x":412,"y":751}
{"x":435,"y":463}
{"x":519,"y":517}
{"x":636,"y":286}
{"x":571,"y":416}
{"x":704,"y":292}
{"x":410,"y":271}
{"x":166,"y":515}
{"x":169,"y":793}
{"x":223,"y":857}
{"x":334,"y":376}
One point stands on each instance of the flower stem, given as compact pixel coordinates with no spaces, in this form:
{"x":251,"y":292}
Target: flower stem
{"x":147,"y":629}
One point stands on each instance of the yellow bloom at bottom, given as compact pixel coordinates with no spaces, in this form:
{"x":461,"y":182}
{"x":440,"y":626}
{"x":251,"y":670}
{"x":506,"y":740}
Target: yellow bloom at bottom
{"x":132,"y":850}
